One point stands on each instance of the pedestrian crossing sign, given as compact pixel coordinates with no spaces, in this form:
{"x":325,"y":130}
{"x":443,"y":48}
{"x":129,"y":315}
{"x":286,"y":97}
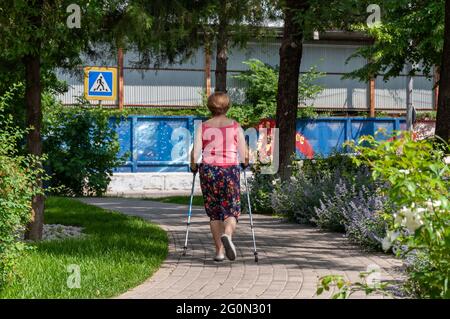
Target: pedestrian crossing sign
{"x":100,"y":83}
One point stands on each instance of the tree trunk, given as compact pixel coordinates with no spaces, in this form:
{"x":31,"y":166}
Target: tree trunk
{"x":222,"y":50}
{"x":287,"y":99}
{"x":443,"y":111}
{"x":34,"y":140}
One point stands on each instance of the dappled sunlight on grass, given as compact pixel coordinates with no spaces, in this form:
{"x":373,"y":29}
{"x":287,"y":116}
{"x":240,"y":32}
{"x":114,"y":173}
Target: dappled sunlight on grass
{"x":118,"y":253}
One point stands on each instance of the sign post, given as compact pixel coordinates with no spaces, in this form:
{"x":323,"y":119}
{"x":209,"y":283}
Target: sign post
{"x":409,"y":98}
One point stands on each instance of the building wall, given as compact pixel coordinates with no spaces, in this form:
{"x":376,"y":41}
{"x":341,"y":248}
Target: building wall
{"x":183,"y":84}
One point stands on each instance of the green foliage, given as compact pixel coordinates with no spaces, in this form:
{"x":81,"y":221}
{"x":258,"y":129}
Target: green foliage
{"x":331,"y":193}
{"x":17,"y":186}
{"x":419,"y":187}
{"x":310,"y":181}
{"x":261,"y":88}
{"x":83,"y":148}
{"x":346,"y":288}
{"x":410,"y":32}
{"x":154,"y":111}
{"x":240,"y":20}
{"x":307,"y":112}
{"x":430,"y":115}
{"x":261,"y":188}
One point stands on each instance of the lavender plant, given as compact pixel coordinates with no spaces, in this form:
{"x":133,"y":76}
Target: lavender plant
{"x":333,"y":211}
{"x":365,"y":224}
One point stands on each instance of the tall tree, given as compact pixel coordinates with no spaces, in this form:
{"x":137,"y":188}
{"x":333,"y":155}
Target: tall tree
{"x":39,"y":36}
{"x":291,"y":51}
{"x":413,"y":32}
{"x":443,"y":111}
{"x":301,"y":19}
{"x":222,"y":48}
{"x":181,"y":27}
{"x":232,"y":23}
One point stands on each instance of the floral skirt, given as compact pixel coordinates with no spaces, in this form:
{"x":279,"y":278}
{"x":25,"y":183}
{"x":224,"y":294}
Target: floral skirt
{"x":221,"y":191}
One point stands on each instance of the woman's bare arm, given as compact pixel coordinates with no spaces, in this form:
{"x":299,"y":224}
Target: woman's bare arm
{"x":242,"y":147}
{"x":197,"y":147}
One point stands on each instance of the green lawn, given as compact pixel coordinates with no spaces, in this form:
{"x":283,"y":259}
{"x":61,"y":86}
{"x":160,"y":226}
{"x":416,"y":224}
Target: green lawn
{"x":184,"y":200}
{"x":118,"y":253}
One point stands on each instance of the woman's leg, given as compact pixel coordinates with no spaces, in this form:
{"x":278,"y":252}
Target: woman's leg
{"x":207,"y":184}
{"x":230,"y":226}
{"x":217,"y":229}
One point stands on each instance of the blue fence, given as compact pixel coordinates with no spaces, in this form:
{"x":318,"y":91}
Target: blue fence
{"x":160,"y":143}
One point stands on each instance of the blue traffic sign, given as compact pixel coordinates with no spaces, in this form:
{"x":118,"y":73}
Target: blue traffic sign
{"x":100,"y":83}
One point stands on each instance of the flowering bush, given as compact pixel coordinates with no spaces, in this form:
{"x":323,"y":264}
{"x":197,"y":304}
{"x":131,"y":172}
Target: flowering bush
{"x":419,"y":189}
{"x":358,"y":213}
{"x":311,"y":183}
{"x":332,"y":213}
{"x":365,"y":223}
{"x":298,"y":197}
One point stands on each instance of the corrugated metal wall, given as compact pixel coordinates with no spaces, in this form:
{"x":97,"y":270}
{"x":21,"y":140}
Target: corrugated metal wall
{"x":184,"y":84}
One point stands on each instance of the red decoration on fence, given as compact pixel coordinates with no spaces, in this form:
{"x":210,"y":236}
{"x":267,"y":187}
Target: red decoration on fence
{"x":301,"y":143}
{"x":303,"y":146}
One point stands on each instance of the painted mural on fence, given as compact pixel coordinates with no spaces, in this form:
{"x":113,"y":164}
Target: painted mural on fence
{"x":162,"y":144}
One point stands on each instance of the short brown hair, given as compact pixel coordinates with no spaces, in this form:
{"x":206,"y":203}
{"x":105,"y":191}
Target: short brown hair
{"x":218,"y":103}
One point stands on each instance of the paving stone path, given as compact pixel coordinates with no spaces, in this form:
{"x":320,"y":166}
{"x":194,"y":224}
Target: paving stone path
{"x":291,"y":257}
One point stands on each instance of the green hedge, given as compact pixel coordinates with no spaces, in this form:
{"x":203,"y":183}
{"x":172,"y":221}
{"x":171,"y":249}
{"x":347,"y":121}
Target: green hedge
{"x":17,"y":187}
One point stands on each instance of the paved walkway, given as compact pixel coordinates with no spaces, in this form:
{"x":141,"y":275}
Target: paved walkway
{"x":291,"y":257}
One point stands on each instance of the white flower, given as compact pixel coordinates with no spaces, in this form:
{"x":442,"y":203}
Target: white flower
{"x":447,"y":160}
{"x":421,"y":210}
{"x":394,"y":235}
{"x":386,"y":244}
{"x":437,"y":203}
{"x":387,"y":241}
{"x":404,"y":171}
{"x":413,"y":222}
{"x":406,"y":212}
{"x":429,"y":205}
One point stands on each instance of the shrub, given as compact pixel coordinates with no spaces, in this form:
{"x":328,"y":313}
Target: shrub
{"x":365,"y":218}
{"x":17,"y":187}
{"x":260,"y":86}
{"x":83,"y":148}
{"x":298,"y":197}
{"x":333,"y":211}
{"x":261,"y":187}
{"x":311,"y":180}
{"x":419,"y":189}
{"x":355,"y":207}
{"x":337,"y":195}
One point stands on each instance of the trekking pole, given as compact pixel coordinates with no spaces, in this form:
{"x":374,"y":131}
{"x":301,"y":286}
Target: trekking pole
{"x":189,"y":215}
{"x":251,"y":217}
